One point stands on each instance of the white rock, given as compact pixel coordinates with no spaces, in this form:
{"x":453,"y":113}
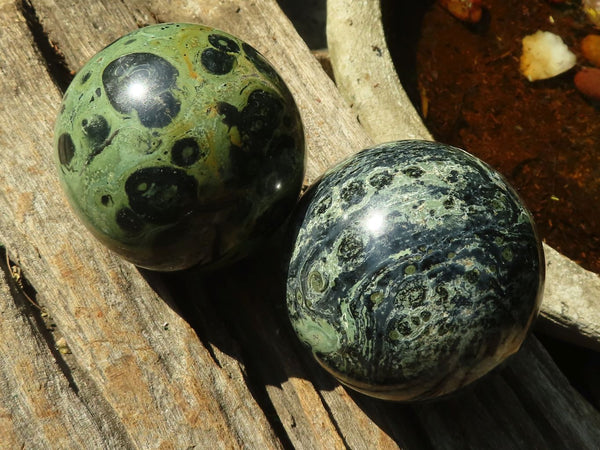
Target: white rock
{"x":545,"y":55}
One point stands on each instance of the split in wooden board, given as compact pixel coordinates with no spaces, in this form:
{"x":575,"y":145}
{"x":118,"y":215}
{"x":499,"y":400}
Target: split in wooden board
{"x":179,"y":360}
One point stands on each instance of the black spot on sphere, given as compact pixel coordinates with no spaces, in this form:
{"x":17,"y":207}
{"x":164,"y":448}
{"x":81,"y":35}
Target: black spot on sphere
{"x":257,"y":121}
{"x":443,"y":329}
{"x":216,"y":61}
{"x":404,"y":328}
{"x":106,"y":200}
{"x":472,"y":276}
{"x":260,"y":151}
{"x":231,"y":114}
{"x":85,"y":77}
{"x":143,"y":82}
{"x":323,"y":205}
{"x":412,"y":293}
{"x":441,"y":295}
{"x":350,"y":248}
{"x":381,"y":180}
{"x":353,"y":192}
{"x":223,"y":43}
{"x":453,"y":177}
{"x":96,"y":128}
{"x":66,"y":149}
{"x":262,"y":114}
{"x":185,"y":152}
{"x":161,"y":195}
{"x":259,"y":61}
{"x":449,"y":203}
{"x":413,"y":172}
{"x":129,"y":221}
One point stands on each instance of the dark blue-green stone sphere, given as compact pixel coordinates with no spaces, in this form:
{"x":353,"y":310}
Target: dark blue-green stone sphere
{"x":415,"y":270}
{"x":180,"y":145}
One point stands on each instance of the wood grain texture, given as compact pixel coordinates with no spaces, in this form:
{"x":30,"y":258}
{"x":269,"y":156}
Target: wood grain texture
{"x":365,"y":73}
{"x":366,"y":76}
{"x":144,"y":363}
{"x":185,"y":359}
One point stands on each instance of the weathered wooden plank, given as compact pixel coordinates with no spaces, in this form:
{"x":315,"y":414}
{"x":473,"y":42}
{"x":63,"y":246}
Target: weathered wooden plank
{"x":571,"y":308}
{"x":513,"y":407}
{"x":123,"y":346}
{"x":366,"y":76}
{"x":37,"y":402}
{"x":181,"y":359}
{"x":315,"y":411}
{"x":505,"y":411}
{"x":142,"y":361}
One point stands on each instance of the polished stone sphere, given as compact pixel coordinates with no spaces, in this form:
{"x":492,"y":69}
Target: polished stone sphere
{"x":180,"y":145}
{"x":415,"y":269}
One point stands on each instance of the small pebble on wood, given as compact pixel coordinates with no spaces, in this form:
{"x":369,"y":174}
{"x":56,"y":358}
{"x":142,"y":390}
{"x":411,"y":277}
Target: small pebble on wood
{"x":180,"y":145}
{"x":415,"y":269}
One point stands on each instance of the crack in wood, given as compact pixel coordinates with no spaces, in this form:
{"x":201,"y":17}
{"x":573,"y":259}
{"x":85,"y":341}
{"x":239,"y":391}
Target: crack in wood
{"x":257,"y":388}
{"x":333,"y":420}
{"x":25,"y":296}
{"x":172,"y":288}
{"x":14,"y":270}
{"x":50,"y":53}
{"x":186,"y":292}
{"x":186,"y":295}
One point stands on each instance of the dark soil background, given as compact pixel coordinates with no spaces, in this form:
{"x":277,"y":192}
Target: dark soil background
{"x":544,"y":136}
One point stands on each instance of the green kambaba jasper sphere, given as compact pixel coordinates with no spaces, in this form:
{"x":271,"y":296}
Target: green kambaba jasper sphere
{"x":178,"y":145}
{"x":415,"y":270}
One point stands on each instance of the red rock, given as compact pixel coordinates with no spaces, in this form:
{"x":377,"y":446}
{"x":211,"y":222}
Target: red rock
{"x":590,"y":47}
{"x":465,"y":10}
{"x":587,"y":81}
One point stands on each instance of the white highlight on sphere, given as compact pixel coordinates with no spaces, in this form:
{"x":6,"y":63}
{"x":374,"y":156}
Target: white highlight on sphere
{"x":375,"y":222}
{"x":137,"y":90}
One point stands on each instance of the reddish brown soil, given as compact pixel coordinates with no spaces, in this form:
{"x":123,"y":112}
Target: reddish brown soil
{"x":543,"y":136}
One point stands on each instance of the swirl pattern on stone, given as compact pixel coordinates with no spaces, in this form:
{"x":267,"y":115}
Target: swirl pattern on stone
{"x":415,"y":270}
